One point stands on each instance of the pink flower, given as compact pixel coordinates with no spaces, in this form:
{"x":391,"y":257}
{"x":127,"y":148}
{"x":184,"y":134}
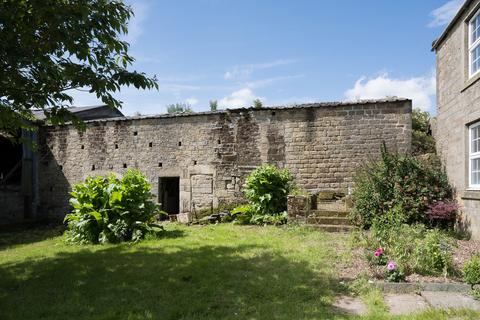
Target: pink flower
{"x":380,"y":250}
{"x":391,"y":266}
{"x":377,"y":254}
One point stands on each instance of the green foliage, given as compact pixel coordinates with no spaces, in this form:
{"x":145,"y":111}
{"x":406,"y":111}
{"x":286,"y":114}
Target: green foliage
{"x":471,"y":272}
{"x":395,"y":275}
{"x":422,"y":140}
{"x":434,"y":254}
{"x":179,"y":108}
{"x":213,"y":105}
{"x":267,"y":188}
{"x":398,"y":184}
{"x":246,"y":214}
{"x":109,"y":209}
{"x":414,"y":247}
{"x":257,"y":104}
{"x":50,"y":47}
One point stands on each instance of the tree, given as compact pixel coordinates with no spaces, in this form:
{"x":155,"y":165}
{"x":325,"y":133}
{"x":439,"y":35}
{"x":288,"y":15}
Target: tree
{"x":257,"y":104}
{"x":422,"y":140}
{"x":213,"y":105}
{"x":179,"y":108}
{"x":52,"y":46}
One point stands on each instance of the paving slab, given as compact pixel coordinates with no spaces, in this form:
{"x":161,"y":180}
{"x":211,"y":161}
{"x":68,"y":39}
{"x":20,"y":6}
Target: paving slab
{"x":350,"y":305}
{"x":450,"y":300}
{"x":400,"y":304}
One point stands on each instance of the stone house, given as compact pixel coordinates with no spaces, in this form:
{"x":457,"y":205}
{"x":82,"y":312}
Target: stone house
{"x":457,"y":128}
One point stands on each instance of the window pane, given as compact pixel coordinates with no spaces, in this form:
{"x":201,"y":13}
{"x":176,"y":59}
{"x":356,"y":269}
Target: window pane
{"x":475,"y":59}
{"x":475,"y":29}
{"x":475,"y":174}
{"x":475,"y":136}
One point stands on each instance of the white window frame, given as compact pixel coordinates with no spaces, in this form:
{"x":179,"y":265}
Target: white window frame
{"x":472,"y":45}
{"x":472,"y":156}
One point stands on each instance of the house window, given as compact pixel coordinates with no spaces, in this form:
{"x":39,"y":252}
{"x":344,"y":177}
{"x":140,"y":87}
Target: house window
{"x":474,"y":44}
{"x":474,"y":171}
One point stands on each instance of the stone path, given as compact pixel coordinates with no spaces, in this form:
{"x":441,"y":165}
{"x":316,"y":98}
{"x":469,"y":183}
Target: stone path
{"x":402,"y":304}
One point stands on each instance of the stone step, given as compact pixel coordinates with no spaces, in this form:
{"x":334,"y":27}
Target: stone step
{"x":332,"y":228}
{"x":328,"y":213}
{"x":331,"y":205}
{"x":328,"y":220}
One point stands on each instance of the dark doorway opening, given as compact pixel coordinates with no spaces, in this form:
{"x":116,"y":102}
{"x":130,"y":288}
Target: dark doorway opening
{"x":169,"y":194}
{"x":10,"y":162}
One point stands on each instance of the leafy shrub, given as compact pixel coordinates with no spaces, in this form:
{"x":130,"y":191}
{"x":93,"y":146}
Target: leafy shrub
{"x":442,"y":213}
{"x":109,"y":209}
{"x":267,"y":188}
{"x":422,"y":140}
{"x":471,"y":272}
{"x":246,"y":214}
{"x":402,"y":183}
{"x":434,"y":254}
{"x":414,"y":247}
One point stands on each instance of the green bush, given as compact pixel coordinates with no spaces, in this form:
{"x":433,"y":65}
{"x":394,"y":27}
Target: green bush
{"x":471,"y":272}
{"x":414,"y":247}
{"x":402,"y":183}
{"x":266,"y":189}
{"x":422,"y":140}
{"x":434,"y":254}
{"x":109,"y":209}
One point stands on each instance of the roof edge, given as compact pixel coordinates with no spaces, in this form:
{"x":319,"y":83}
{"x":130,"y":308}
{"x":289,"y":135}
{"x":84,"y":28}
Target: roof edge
{"x":450,"y":26}
{"x":299,"y":106}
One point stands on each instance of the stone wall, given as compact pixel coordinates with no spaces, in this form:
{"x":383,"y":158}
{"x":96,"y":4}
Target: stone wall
{"x":12,"y":206}
{"x":211,"y":153}
{"x":457,"y":106}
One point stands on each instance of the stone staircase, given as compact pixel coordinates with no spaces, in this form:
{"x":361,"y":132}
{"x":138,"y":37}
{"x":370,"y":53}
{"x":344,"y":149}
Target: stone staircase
{"x":325,"y":211}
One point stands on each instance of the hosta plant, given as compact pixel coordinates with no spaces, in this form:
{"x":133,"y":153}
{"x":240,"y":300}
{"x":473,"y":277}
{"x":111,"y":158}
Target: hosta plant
{"x":111,"y":209}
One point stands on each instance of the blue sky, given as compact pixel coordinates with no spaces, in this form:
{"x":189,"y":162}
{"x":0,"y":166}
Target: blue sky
{"x":283,"y":52}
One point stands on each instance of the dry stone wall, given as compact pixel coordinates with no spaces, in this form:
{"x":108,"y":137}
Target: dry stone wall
{"x":211,"y":153}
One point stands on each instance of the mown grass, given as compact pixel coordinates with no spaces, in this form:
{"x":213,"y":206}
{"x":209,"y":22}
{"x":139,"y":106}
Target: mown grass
{"x":201,"y":272}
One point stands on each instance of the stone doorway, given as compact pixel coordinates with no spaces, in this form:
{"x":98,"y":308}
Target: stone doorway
{"x":169,"y":194}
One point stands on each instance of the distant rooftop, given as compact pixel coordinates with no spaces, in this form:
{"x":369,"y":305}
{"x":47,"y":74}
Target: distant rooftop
{"x":87,"y":113}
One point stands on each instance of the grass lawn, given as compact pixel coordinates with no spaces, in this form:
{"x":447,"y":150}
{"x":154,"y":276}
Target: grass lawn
{"x":210,"y":272}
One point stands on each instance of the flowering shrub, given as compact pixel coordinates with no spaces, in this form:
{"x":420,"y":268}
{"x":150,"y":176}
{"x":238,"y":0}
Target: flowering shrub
{"x":379,"y":258}
{"x":416,"y":248}
{"x":402,"y":183}
{"x":393,"y":272}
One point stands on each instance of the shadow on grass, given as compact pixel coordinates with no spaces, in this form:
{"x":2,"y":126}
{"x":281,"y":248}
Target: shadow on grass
{"x":171,"y":282}
{"x":25,"y":233}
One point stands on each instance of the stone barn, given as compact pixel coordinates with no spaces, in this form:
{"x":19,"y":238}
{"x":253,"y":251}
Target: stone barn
{"x":200,"y":160}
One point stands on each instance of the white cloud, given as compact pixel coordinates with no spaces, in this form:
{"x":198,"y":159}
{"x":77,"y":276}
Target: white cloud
{"x":421,"y":89}
{"x":135,"y":25}
{"x":444,"y":14}
{"x":238,"y":99}
{"x":244,"y":71}
{"x":192,"y":101}
{"x":268,"y":81}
